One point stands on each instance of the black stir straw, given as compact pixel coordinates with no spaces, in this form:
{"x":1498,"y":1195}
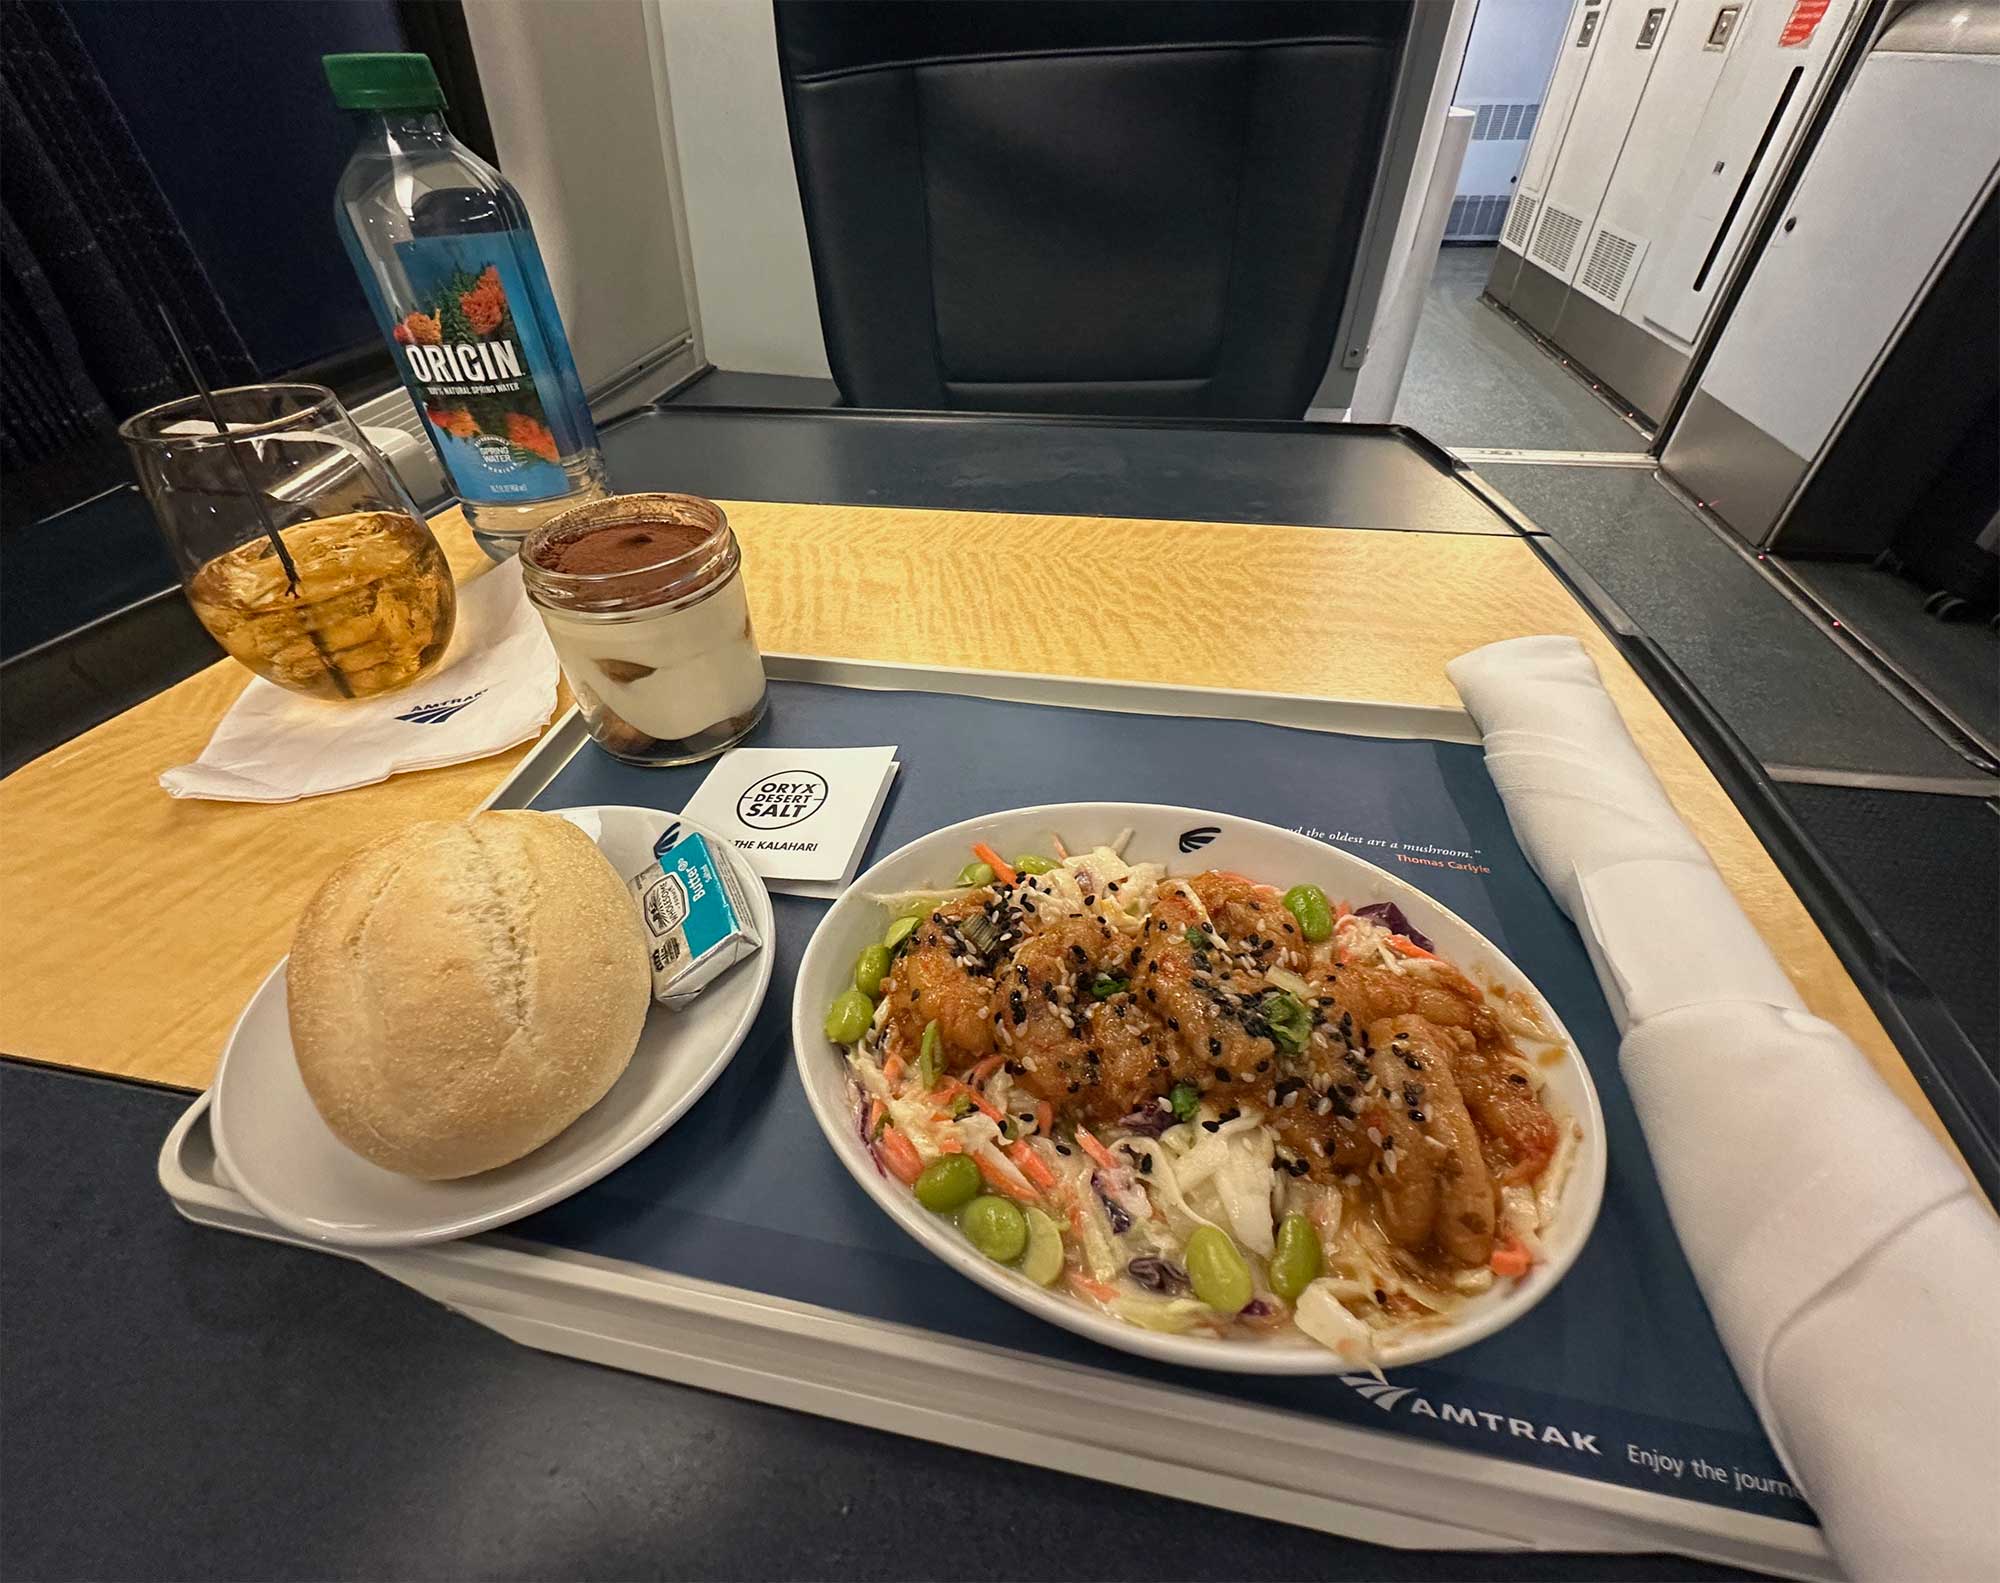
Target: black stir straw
{"x":222,"y":428}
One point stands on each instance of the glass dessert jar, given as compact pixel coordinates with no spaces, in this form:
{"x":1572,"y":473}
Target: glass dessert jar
{"x":643,"y":598}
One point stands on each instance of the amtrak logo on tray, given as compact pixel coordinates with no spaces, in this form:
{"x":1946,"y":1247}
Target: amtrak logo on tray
{"x":1387,"y":1397}
{"x":1197,"y":838}
{"x":433,"y":714}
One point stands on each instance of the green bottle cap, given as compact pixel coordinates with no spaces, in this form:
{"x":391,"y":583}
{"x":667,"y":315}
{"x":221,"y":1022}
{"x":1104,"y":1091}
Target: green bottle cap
{"x":383,"y":82}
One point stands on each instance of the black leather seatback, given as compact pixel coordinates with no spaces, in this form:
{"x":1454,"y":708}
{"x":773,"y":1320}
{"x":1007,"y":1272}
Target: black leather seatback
{"x":1085,"y":205}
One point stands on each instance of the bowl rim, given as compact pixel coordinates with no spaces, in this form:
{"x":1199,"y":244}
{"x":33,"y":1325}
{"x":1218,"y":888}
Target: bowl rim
{"x":1582,"y":1193}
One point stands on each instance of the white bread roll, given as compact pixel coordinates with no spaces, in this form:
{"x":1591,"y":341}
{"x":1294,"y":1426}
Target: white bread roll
{"x":462,"y":991}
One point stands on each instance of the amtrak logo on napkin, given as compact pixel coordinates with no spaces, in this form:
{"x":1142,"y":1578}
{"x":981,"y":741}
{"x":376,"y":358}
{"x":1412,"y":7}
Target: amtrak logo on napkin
{"x":435,"y":714}
{"x":800,"y":816}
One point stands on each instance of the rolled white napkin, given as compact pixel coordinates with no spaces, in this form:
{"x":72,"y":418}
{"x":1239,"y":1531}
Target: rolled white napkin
{"x":496,"y":687}
{"x":1852,"y":1268}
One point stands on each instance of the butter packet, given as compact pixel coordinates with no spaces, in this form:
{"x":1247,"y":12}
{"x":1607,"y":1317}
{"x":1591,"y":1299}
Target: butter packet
{"x":698,"y":920}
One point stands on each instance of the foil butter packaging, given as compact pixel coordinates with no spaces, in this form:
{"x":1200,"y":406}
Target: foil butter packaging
{"x":698,"y":920}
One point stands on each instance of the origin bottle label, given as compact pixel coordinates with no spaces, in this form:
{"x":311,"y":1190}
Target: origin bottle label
{"x":473,"y":343}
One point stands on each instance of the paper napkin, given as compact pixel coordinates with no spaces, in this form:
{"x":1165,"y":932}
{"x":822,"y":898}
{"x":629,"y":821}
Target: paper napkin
{"x":497,"y":687}
{"x":1852,"y":1269}
{"x":800,"y":816}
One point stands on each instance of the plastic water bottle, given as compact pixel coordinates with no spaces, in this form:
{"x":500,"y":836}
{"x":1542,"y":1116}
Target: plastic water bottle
{"x":442,"y":244}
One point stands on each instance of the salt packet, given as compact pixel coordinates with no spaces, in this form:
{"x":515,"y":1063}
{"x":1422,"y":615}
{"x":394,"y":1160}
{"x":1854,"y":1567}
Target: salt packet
{"x":698,"y":919}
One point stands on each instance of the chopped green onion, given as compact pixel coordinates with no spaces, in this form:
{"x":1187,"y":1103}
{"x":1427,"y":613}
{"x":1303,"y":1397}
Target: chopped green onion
{"x":1290,"y":1019}
{"x":1198,"y":938}
{"x":930,"y":1057}
{"x":960,"y":1106}
{"x":979,"y":933}
{"x":1186,"y":1100}
{"x":1105,"y":985}
{"x":899,"y":931}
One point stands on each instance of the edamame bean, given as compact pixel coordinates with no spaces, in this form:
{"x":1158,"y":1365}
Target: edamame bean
{"x":849,"y":1016}
{"x":1297,"y":1261}
{"x":999,"y":1230}
{"x":1034,"y":863}
{"x":946,"y":1183}
{"x":976,"y":874}
{"x":1309,"y":905}
{"x":899,"y":931}
{"x":1216,"y":1270}
{"x":870,"y":968}
{"x":1043,"y":1261}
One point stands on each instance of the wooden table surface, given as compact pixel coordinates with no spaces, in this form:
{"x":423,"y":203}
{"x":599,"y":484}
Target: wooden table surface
{"x":133,"y":927}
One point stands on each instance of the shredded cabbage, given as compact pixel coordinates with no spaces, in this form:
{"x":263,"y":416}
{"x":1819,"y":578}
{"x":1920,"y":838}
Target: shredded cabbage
{"x":1321,"y":1315}
{"x":1160,"y":1313}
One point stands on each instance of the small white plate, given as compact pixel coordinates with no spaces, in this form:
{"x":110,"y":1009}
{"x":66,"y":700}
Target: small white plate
{"x":1210,"y":840}
{"x":281,"y":1156}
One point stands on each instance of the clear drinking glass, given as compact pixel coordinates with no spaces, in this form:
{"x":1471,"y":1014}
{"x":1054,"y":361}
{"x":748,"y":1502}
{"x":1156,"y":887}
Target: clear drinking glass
{"x":373,"y":605}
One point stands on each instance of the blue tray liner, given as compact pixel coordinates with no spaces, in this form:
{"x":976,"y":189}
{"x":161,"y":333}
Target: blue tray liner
{"x":1617,"y":1375}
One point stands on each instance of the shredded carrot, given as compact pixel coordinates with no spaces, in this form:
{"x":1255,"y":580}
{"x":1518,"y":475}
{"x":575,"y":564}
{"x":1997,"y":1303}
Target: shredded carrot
{"x":1030,"y":1165}
{"x":986,"y":1068}
{"x":948,"y":1141}
{"x":951,"y":1086}
{"x":1342,"y":910}
{"x":892,"y":1069}
{"x":1003,"y":871}
{"x":900,"y":1155}
{"x":1061,"y":851}
{"x":1511,"y":1259}
{"x":1079,"y":1282}
{"x":1404,"y":947}
{"x":1045,"y":1117}
{"x":875,"y":1112}
{"x":1096,"y":1150}
{"x":1001,"y":1182}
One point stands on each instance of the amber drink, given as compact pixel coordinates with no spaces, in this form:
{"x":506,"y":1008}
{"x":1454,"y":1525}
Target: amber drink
{"x":367,"y":603}
{"x":373,"y":610}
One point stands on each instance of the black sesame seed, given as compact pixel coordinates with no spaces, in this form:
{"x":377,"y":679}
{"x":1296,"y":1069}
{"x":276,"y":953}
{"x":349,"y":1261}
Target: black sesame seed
{"x":1063,"y":1149}
{"x":1221,"y":1072}
{"x":1210,"y":1126}
{"x":1215,"y":1048}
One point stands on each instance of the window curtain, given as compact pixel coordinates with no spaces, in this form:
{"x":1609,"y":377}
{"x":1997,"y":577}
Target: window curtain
{"x":88,"y":246}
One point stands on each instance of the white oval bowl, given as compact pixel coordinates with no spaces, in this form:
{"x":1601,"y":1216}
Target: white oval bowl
{"x":282,"y":1157}
{"x":1263,"y":852}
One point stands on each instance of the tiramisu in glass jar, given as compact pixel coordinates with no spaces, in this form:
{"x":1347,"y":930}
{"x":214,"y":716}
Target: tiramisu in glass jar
{"x":643,"y":598}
